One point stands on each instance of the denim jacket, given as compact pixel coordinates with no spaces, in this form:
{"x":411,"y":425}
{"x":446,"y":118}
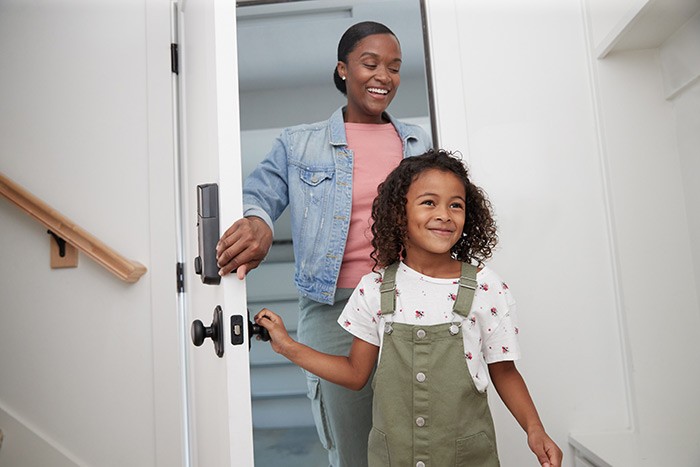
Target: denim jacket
{"x":310,"y":169}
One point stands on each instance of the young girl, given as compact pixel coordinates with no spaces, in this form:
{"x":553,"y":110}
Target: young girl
{"x":434,"y":323}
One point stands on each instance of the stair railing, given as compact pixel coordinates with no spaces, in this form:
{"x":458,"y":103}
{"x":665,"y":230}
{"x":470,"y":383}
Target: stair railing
{"x":70,"y":236}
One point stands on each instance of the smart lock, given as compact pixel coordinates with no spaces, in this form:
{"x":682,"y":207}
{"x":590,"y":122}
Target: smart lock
{"x":207,"y":232}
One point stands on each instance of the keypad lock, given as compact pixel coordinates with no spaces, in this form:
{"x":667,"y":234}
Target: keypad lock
{"x":207,"y":233}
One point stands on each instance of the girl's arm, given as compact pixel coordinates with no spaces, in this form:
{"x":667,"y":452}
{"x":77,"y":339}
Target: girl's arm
{"x":351,"y":372}
{"x":511,"y":387}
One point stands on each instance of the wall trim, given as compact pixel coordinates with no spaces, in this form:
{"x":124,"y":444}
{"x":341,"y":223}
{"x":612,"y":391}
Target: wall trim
{"x":8,"y":418}
{"x":620,"y":313}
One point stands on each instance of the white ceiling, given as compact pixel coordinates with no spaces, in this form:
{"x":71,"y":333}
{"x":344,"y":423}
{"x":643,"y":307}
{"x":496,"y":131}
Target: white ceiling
{"x":294,"y":43}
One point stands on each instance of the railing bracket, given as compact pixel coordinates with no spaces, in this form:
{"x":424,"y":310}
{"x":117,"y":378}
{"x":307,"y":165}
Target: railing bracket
{"x":61,"y":244}
{"x":63,"y":254}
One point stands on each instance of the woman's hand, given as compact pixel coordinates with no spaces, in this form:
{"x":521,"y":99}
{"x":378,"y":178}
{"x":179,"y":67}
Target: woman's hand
{"x":279,"y":337}
{"x":243,"y":246}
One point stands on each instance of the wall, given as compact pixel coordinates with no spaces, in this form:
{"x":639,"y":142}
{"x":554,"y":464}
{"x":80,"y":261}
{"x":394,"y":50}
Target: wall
{"x":680,"y":64}
{"x":648,"y":107}
{"x":515,"y":96}
{"x":586,"y":162}
{"x":86,"y":126}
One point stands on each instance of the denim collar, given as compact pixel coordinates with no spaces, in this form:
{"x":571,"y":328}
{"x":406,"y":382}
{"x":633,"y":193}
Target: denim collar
{"x":336,"y":128}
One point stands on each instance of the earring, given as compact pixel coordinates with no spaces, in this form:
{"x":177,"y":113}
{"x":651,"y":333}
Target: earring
{"x":343,"y":78}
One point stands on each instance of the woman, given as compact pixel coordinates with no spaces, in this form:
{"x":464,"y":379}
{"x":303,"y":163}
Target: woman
{"x":328,"y":173}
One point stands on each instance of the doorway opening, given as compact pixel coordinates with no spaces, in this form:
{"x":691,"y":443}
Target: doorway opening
{"x":286,"y":56}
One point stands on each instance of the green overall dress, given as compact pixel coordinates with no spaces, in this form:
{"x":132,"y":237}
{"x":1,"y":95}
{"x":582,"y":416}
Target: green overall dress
{"x":426,"y":410}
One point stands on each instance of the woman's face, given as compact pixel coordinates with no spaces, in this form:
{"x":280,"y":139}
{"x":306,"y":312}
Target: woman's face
{"x":372,"y":77}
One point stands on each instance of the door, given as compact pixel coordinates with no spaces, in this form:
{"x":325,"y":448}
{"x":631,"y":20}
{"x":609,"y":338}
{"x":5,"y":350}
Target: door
{"x":219,"y":407}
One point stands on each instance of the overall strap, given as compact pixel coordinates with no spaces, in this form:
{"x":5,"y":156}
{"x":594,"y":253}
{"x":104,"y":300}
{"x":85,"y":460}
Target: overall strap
{"x":465,"y":293}
{"x":387,"y":289}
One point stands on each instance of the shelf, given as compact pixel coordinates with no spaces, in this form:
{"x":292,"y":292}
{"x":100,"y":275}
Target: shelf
{"x":647,"y":25}
{"x":626,"y":448}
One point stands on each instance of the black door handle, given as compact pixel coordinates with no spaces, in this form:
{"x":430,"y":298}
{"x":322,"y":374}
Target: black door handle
{"x":215,"y":332}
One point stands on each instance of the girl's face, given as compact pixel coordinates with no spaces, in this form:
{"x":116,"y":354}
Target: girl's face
{"x":435,"y":213}
{"x":372,"y":77}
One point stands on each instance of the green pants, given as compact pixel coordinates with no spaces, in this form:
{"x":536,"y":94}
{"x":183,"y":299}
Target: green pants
{"x":343,"y":417}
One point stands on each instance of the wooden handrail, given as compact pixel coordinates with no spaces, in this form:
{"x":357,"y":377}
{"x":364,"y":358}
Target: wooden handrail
{"x":125,"y":269}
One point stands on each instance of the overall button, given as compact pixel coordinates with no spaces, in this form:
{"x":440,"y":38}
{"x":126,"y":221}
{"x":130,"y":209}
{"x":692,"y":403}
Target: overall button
{"x":420,"y":333}
{"x":420,"y":464}
{"x":420,"y":421}
{"x":420,"y":377}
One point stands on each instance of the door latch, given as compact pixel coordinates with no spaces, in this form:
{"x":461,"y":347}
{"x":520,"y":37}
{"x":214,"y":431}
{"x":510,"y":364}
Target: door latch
{"x":237,"y":324}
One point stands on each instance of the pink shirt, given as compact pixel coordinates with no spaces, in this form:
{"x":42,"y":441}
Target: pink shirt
{"x":377,"y":150}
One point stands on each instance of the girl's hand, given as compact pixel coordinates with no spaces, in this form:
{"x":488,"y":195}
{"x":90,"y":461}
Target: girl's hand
{"x":279,"y":338}
{"x":546,"y":450}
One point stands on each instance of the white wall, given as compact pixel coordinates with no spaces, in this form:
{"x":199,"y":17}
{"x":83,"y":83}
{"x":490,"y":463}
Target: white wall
{"x":680,"y":63}
{"x":86,"y":126}
{"x":648,"y":113}
{"x":581,"y":159}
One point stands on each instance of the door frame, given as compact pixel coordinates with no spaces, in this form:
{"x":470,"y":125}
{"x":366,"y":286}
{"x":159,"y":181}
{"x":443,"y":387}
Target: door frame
{"x":218,"y":400}
{"x":169,"y":399}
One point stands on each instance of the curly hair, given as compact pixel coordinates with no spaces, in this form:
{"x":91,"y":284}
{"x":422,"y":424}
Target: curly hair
{"x":389,"y":222}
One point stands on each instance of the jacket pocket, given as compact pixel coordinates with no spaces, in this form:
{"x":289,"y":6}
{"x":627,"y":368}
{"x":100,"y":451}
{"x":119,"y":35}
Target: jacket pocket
{"x":476,"y":451}
{"x":312,"y":211}
{"x":316,"y":186}
{"x":314,"y":177}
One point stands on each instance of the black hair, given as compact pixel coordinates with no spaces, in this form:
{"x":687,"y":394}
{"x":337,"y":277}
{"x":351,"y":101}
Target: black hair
{"x":348,"y":42}
{"x":389,"y":230}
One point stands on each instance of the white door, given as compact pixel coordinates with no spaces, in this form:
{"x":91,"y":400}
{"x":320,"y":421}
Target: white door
{"x":219,"y":388}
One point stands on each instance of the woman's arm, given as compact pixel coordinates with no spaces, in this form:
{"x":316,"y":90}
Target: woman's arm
{"x":265,"y":195}
{"x":511,"y":387}
{"x":351,"y":372}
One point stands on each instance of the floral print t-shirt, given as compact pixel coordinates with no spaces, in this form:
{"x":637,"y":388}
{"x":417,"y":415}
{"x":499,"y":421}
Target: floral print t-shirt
{"x":489,"y":332}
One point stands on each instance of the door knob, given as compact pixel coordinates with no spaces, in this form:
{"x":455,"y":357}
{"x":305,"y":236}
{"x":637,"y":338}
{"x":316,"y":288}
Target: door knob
{"x":263,"y":333}
{"x":215,"y":332}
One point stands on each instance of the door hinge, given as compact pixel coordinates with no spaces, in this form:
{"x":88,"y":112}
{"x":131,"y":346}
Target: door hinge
{"x":174,"y":63}
{"x":180,"y":277}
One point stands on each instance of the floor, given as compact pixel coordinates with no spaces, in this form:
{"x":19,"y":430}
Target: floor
{"x":291,"y":447}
